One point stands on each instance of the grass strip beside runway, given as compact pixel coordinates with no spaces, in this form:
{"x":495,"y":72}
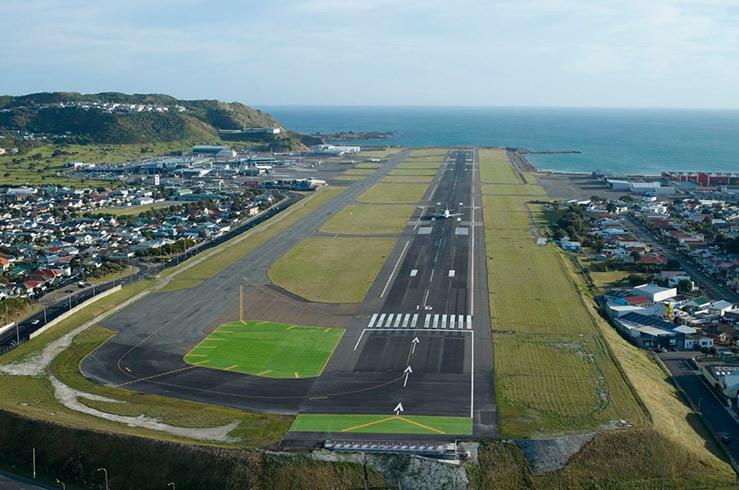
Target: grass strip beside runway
{"x":331,"y":270}
{"x":394,"y":193}
{"x":272,"y":350}
{"x":369,"y":219}
{"x":382,"y":424}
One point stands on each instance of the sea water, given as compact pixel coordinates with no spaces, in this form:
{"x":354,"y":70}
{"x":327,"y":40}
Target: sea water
{"x":630,"y":141}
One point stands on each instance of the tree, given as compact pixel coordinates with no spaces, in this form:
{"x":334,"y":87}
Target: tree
{"x":673,"y":264}
{"x":636,"y":256}
{"x":685,"y":286}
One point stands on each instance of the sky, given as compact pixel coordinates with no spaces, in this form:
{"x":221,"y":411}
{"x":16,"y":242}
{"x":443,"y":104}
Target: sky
{"x":564,"y":53}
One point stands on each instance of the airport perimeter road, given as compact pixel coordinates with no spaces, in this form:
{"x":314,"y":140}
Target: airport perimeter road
{"x":422,"y":336}
{"x":713,"y":287}
{"x":155,"y":333}
{"x":8,"y":481}
{"x":702,"y":396}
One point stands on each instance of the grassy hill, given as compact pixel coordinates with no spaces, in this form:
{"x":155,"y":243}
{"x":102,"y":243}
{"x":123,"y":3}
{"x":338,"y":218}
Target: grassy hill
{"x":42,"y":113}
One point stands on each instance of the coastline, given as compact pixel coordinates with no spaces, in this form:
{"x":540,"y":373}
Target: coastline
{"x":518,"y":157}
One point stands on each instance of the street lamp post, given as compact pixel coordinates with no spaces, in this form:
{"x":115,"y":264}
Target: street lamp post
{"x":173,"y":485}
{"x":106,"y":476}
{"x":64,"y":487}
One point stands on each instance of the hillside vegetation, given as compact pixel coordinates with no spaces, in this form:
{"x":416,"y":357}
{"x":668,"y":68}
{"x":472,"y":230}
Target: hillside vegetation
{"x":41,"y":113}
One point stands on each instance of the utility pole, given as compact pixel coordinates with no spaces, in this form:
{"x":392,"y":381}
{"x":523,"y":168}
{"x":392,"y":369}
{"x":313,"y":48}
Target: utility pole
{"x":34,"y":463}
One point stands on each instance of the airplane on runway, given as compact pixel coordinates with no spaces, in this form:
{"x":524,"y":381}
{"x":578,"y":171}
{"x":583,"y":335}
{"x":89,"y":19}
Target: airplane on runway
{"x":446,"y":214}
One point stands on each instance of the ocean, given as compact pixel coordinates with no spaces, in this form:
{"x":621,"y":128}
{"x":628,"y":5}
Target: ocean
{"x":629,"y":141}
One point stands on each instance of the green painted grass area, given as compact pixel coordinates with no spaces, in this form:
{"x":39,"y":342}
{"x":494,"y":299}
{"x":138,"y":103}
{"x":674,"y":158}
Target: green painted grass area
{"x":271,"y":350}
{"x":359,"y":171}
{"x":382,"y":424}
{"x":369,"y":219}
{"x":394,"y":193}
{"x":495,"y":167}
{"x":331,"y":270}
{"x":408,"y":179}
{"x":414,"y":171}
{"x":513,"y":189}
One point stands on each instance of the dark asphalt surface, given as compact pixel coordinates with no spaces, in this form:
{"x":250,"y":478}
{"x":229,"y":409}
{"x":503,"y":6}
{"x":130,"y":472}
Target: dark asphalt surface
{"x":418,"y":288}
{"x":156,"y":332}
{"x":703,"y":397}
{"x":9,"y":481}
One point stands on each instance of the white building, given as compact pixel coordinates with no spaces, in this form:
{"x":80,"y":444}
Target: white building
{"x":656,"y":293}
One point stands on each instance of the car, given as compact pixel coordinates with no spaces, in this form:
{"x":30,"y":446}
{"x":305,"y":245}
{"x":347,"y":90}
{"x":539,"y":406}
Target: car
{"x":35,"y":322}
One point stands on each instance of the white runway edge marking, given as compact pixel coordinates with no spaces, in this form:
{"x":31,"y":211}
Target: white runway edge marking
{"x":392,"y":274}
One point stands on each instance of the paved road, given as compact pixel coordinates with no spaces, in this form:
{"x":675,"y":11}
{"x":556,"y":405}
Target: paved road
{"x":713,"y":287}
{"x":8,"y":481}
{"x":704,"y":397}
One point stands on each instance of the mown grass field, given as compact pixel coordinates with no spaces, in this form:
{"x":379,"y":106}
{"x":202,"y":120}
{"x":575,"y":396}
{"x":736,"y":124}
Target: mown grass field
{"x":359,"y":171}
{"x":374,"y":165}
{"x":331,"y":270}
{"x":382,"y":424}
{"x":554,"y":375}
{"x":400,"y":172}
{"x":393,"y":193}
{"x":351,"y":178}
{"x":369,"y":219}
{"x":237,"y":247}
{"x":609,"y":279}
{"x":408,"y":179}
{"x":418,"y":165}
{"x":268,"y":349}
{"x":495,"y":168}
{"x":513,"y":189}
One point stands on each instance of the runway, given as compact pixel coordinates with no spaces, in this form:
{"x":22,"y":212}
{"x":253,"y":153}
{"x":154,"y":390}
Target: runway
{"x":428,"y":308}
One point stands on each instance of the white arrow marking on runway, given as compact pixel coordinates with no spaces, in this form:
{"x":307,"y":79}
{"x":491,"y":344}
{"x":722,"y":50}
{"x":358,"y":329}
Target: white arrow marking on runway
{"x":398,"y":408}
{"x":414,"y":342}
{"x":407,"y":371}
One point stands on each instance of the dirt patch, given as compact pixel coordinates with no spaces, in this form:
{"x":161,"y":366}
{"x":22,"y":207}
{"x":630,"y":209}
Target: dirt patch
{"x":274,"y":304}
{"x":545,"y":455}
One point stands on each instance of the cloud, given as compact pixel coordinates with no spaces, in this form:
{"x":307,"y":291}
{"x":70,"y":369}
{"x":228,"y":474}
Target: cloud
{"x":380,"y":51}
